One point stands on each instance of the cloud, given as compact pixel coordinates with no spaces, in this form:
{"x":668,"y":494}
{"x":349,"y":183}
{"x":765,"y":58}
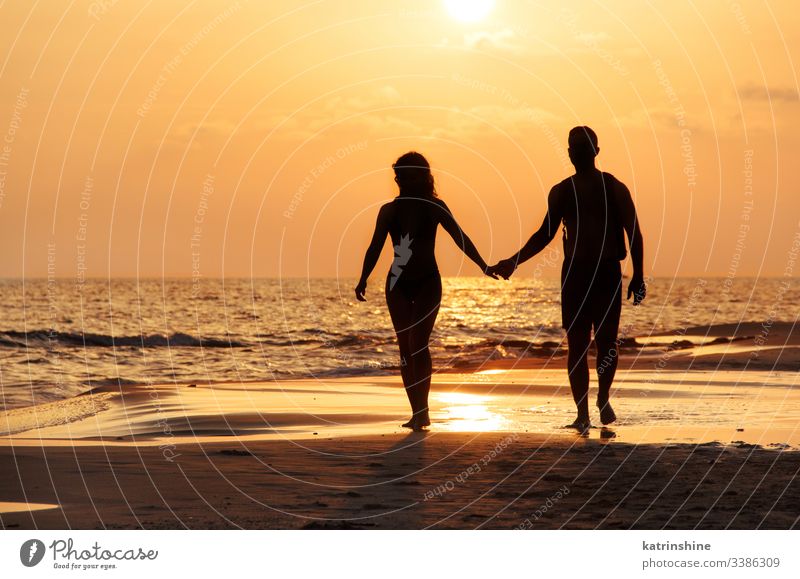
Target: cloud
{"x":370,"y":112}
{"x":363,"y":114}
{"x":381,"y":111}
{"x":498,"y":40}
{"x":341,"y":106}
{"x":505,"y":40}
{"x":198,"y":133}
{"x":641,"y":118}
{"x":367,"y":111}
{"x":488,"y":119}
{"x":754,"y":92}
{"x":592,"y":37}
{"x":663,"y":121}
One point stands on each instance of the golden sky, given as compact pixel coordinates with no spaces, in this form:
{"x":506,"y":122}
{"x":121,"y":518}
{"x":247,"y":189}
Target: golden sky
{"x":256,"y":138}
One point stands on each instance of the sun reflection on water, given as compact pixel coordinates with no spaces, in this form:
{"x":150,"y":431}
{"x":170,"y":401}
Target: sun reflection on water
{"x":469,"y":413}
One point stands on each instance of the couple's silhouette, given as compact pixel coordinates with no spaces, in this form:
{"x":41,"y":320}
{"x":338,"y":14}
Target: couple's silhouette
{"x":596,"y":210}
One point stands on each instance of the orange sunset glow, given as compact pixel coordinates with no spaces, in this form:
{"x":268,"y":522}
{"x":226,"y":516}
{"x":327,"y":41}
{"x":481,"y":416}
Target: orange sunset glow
{"x":256,"y":139}
{"x":342,"y":265}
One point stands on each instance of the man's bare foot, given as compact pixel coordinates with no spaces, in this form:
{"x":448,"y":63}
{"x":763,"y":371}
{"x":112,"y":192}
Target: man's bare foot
{"x":409,"y":424}
{"x":607,"y":415}
{"x":424,"y":419}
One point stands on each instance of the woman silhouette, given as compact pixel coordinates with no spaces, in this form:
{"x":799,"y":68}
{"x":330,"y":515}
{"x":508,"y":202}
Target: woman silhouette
{"x":414,"y":286}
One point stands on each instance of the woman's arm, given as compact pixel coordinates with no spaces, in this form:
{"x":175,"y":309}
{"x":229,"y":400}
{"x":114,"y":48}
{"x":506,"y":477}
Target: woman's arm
{"x":374,"y":250}
{"x":462,"y":240}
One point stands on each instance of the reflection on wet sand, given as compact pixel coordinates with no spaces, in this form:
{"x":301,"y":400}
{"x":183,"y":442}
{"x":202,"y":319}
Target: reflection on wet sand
{"x":469,"y":413}
{"x":758,"y":408}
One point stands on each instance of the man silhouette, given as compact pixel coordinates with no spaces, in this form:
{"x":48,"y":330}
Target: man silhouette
{"x":595,"y":209}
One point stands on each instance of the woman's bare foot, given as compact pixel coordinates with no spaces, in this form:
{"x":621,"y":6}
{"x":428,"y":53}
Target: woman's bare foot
{"x":420,"y":427}
{"x":582,"y":424}
{"x":607,"y":434}
{"x":418,"y":422}
{"x":607,"y":415}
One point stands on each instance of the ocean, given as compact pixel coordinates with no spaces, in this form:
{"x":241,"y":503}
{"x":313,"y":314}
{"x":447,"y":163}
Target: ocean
{"x":58,"y":339}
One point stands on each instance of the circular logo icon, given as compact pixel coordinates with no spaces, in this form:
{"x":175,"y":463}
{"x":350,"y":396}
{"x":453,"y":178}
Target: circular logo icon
{"x":31,"y":552}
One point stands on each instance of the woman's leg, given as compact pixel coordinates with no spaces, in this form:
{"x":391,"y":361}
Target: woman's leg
{"x":424,"y":313}
{"x":400,"y":310}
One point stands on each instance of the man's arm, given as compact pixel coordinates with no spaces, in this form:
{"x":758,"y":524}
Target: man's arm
{"x":630,"y":223}
{"x":374,"y":250}
{"x":539,"y":240}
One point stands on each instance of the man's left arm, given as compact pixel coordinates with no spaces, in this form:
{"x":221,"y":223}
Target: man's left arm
{"x":538,"y":241}
{"x":630,"y":222}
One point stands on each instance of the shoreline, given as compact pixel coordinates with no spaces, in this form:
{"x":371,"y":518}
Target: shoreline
{"x":729,"y":346}
{"x":655,"y":407}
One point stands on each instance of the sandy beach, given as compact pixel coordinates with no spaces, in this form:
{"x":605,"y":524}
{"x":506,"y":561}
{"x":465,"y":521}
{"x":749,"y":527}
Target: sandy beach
{"x":708,"y":437}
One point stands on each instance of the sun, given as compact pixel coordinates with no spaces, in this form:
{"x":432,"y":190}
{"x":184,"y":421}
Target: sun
{"x":469,"y":10}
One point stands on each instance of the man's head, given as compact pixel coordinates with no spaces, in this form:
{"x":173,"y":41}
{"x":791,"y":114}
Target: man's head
{"x":582,"y":147}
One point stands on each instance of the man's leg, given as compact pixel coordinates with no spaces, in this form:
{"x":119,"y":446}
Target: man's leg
{"x":607,"y":358}
{"x":578,"y":339}
{"x":575,"y":319}
{"x":605,"y":337}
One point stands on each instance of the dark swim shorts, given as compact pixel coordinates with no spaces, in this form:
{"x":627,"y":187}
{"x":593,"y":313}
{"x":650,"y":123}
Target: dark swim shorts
{"x":591,"y":296}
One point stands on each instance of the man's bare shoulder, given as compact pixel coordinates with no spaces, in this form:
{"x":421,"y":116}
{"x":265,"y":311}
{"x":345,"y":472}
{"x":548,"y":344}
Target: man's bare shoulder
{"x":619,"y":187}
{"x":556,"y":189}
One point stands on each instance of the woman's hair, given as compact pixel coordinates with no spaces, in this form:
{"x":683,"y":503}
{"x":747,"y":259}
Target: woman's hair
{"x":412,"y":172}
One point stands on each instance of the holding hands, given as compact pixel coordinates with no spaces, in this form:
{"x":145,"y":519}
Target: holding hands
{"x":502,"y":268}
{"x":637,"y":289}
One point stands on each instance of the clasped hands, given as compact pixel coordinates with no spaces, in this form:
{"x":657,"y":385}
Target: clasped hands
{"x":503,"y":268}
{"x":637,"y":289}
